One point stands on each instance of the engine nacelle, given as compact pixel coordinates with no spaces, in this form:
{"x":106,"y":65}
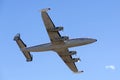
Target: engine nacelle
{"x":76,"y":59}
{"x":60,"y":28}
{"x":72,"y":52}
{"x":56,"y":29}
{"x":64,"y":38}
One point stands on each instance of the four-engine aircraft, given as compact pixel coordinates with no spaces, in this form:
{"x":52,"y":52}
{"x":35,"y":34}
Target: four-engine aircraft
{"x":58,"y":44}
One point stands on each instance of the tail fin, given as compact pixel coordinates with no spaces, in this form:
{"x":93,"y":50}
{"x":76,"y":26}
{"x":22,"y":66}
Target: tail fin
{"x":22,"y":45}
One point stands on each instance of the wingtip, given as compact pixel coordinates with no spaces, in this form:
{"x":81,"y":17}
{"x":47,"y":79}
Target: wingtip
{"x":46,"y":9}
{"x":17,"y":36}
{"x":79,"y":72}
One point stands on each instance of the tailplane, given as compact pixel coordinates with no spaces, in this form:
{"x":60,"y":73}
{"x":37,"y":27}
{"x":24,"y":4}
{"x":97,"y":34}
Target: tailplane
{"x":22,"y":45}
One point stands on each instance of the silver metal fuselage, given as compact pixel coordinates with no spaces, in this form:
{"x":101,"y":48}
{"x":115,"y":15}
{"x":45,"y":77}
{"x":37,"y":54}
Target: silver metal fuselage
{"x":67,"y":44}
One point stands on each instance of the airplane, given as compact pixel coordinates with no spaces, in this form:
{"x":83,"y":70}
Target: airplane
{"x":58,"y":44}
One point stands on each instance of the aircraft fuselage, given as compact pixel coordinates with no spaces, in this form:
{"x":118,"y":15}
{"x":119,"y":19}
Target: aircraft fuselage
{"x":67,"y":44}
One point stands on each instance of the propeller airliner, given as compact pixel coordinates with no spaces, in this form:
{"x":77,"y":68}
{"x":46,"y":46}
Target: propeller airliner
{"x":58,"y":44}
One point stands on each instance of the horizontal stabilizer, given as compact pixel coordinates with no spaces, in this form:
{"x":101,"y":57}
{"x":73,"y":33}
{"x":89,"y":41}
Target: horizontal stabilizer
{"x":22,"y":45}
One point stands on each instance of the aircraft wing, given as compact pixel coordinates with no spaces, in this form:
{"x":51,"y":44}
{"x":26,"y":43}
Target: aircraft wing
{"x":54,"y":35}
{"x":67,"y":58}
{"x":56,"y":38}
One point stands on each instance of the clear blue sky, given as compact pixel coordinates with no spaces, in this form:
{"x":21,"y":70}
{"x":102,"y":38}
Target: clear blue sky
{"x":99,"y":19}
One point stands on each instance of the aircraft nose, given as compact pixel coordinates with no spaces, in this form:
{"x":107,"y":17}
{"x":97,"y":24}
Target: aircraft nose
{"x":93,"y":40}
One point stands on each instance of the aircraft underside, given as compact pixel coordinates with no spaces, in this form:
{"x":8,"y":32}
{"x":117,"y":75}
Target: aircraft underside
{"x":59,"y":44}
